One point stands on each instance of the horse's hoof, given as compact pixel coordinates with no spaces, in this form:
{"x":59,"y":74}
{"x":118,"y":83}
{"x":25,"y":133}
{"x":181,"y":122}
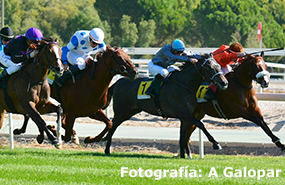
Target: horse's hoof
{"x":40,"y":139}
{"x":87,"y":140}
{"x":217,"y":147}
{"x":17,"y":131}
{"x":104,"y":139}
{"x":75,"y":139}
{"x":57,"y":144}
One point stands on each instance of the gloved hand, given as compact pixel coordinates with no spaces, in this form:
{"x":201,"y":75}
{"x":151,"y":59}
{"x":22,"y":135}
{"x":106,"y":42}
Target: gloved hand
{"x":65,"y":66}
{"x":33,"y":53}
{"x":241,"y":55}
{"x":193,"y":60}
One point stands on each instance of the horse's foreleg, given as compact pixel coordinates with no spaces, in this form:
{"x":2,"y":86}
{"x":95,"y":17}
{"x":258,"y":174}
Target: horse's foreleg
{"x":182,"y":142}
{"x":2,"y":113}
{"x":257,"y":118}
{"x":101,"y":117}
{"x":49,"y":108}
{"x":22,"y":130}
{"x":31,"y":110}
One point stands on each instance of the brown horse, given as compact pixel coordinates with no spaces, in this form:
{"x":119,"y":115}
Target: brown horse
{"x":239,"y":99}
{"x":88,"y":95}
{"x":28,"y":90}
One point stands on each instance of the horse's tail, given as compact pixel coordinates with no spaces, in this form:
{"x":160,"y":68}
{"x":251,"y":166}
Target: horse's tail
{"x":109,"y":96}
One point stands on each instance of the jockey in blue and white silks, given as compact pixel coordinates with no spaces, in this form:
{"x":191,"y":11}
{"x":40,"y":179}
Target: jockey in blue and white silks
{"x":78,"y":52}
{"x":79,"y":49}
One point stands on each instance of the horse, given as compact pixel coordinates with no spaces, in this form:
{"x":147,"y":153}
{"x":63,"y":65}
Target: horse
{"x":239,"y":99}
{"x":28,"y":91}
{"x":177,"y":98}
{"x":88,"y":95}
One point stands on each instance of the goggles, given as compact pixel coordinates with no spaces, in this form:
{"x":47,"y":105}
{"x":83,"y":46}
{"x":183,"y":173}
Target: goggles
{"x":5,"y":39}
{"x":177,"y":52}
{"x":92,"y":41}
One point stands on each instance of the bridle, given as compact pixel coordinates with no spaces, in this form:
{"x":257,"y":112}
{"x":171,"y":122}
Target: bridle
{"x":47,"y":64}
{"x":258,"y":75}
{"x":203,"y":67}
{"x":121,"y":68}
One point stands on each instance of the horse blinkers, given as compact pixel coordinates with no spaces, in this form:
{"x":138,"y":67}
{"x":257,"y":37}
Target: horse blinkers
{"x":218,"y":78}
{"x":262,"y":76}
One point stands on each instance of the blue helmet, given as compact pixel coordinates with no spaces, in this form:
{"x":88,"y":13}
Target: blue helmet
{"x":177,"y":46}
{"x":34,"y":34}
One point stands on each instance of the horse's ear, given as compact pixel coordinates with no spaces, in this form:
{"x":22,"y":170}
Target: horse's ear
{"x":262,"y":54}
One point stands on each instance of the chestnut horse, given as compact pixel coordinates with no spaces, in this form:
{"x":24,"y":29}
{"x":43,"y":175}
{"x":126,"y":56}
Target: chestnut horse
{"x":28,"y":90}
{"x":177,"y":98}
{"x":88,"y":95}
{"x":239,"y":99}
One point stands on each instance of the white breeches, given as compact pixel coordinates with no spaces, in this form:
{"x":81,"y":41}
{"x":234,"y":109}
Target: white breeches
{"x":75,"y":59}
{"x":6,"y":61}
{"x":156,"y":69}
{"x":226,"y":69}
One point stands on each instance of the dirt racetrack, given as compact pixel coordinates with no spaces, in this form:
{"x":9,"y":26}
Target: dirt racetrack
{"x":273,"y":114}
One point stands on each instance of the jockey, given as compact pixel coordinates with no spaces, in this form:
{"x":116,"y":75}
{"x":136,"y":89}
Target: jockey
{"x":225,"y":56}
{"x":6,"y":34}
{"x":163,"y":60}
{"x":19,"y":49}
{"x":77,"y":52}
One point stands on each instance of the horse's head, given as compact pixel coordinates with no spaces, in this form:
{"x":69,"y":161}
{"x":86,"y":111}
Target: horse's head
{"x":257,"y":69}
{"x":121,"y":63}
{"x":50,"y":57}
{"x":211,"y":71}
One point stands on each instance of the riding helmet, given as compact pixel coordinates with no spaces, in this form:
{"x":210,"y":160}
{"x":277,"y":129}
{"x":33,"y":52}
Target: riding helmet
{"x":97,"y":35}
{"x":236,"y":47}
{"x":34,"y":34}
{"x":7,"y":32}
{"x":177,"y":45}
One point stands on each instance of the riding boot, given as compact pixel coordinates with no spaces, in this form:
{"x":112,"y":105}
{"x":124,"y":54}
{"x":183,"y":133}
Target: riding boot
{"x":4,"y":74}
{"x":154,"y":86}
{"x":73,"y":70}
{"x":210,"y":94}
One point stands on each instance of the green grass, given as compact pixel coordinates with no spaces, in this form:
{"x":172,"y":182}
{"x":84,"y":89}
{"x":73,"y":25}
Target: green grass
{"x":42,"y":166}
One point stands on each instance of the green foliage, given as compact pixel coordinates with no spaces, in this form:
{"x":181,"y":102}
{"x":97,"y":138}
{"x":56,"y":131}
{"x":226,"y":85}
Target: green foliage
{"x":149,"y":23}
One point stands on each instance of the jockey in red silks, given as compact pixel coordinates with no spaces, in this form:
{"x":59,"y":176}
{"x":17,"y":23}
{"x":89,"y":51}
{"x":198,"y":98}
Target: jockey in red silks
{"x":19,"y":49}
{"x":163,"y":62}
{"x":225,"y":56}
{"x":78,"y":51}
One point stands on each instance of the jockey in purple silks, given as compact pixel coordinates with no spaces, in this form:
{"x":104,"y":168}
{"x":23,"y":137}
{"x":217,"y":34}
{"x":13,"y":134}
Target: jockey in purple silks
{"x":163,"y":62}
{"x":19,"y":49}
{"x":78,"y":52}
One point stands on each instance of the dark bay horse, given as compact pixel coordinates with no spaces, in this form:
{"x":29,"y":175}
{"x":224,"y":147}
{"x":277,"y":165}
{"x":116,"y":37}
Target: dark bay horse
{"x":29,"y":90}
{"x":88,"y":95}
{"x":177,"y":98}
{"x":239,"y":99}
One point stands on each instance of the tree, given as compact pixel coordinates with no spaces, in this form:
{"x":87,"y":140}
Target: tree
{"x":128,"y":34}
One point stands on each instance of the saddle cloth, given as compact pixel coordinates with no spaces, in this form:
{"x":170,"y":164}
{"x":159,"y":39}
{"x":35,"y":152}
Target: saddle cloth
{"x":144,"y":85}
{"x":200,"y":94}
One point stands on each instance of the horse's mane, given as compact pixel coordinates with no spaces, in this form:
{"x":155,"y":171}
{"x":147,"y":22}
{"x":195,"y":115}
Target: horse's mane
{"x":189,"y":64}
{"x":236,"y":66}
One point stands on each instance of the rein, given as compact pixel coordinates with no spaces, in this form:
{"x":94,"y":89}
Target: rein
{"x":202,"y":66}
{"x":47,"y":67}
{"x":113,"y":72}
